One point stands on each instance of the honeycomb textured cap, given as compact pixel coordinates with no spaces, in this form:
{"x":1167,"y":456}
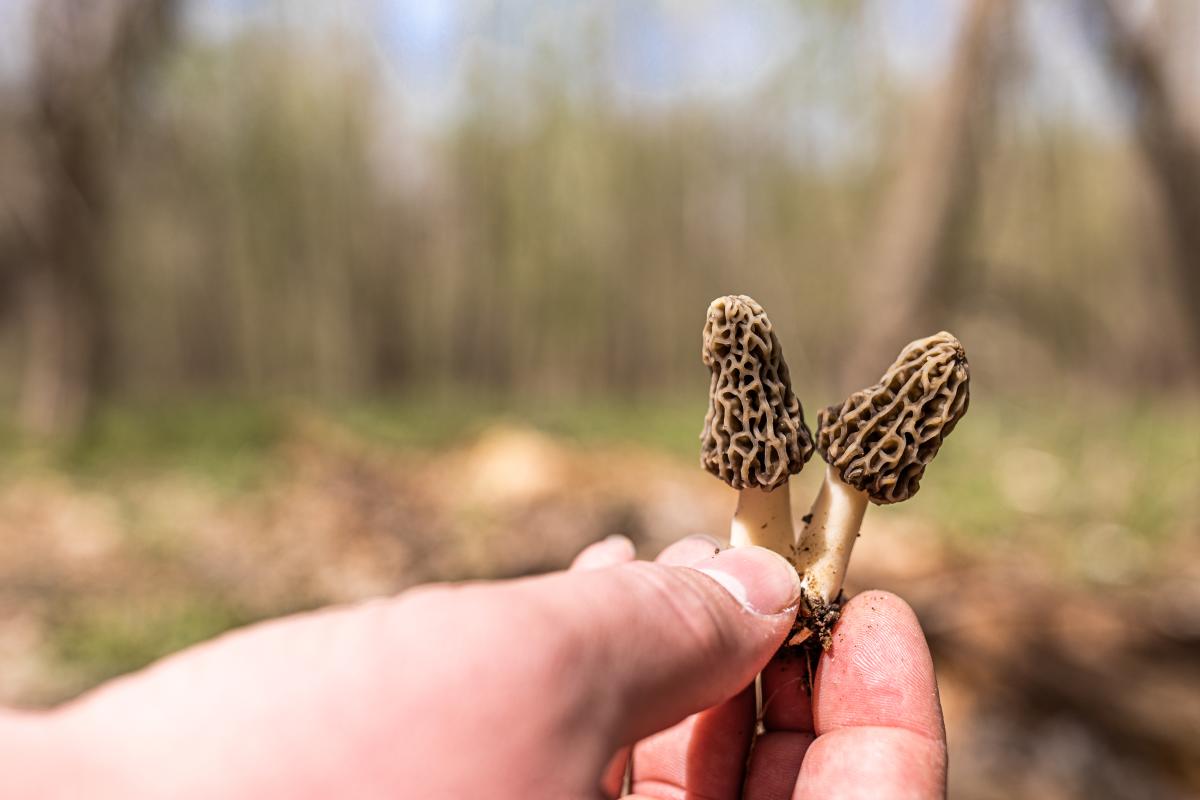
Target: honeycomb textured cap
{"x":754,"y":432}
{"x":881,"y":438}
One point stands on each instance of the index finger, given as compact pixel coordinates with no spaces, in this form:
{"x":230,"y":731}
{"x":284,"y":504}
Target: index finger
{"x":876,"y":710}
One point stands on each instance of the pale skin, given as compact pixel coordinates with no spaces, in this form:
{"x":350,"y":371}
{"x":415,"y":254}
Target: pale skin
{"x":518,"y":689}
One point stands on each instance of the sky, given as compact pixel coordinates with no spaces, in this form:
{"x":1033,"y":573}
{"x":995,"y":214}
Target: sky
{"x":662,"y":51}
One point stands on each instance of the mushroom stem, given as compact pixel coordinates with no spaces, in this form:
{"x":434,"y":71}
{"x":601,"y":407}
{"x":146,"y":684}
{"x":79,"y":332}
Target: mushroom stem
{"x":764,"y":518}
{"x":823,"y":552}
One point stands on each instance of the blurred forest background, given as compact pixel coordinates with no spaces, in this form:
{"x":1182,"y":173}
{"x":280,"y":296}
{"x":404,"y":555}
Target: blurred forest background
{"x":302,"y":302}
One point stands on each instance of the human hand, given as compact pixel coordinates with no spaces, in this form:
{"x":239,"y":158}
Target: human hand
{"x":872,"y":728}
{"x":527,"y":688}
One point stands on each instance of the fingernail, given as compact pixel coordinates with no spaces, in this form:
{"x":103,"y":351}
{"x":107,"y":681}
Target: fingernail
{"x":704,"y":537}
{"x":762,"y":581}
{"x":621,"y":542}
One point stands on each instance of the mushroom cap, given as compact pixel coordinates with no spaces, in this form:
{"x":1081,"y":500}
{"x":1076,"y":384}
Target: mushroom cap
{"x":881,"y":438}
{"x":754,"y":432}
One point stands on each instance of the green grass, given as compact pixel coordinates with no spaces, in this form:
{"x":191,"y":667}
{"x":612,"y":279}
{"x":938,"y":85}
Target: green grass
{"x":1012,"y":464}
{"x":228,"y":443}
{"x":1070,"y":477}
{"x":97,"y":640}
{"x":1060,"y":468}
{"x":669,"y":425}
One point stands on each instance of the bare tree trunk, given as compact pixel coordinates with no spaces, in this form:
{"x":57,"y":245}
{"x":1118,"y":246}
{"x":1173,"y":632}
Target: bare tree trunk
{"x":910,"y":276}
{"x":1169,"y":146}
{"x":55,"y":387}
{"x":88,"y":59}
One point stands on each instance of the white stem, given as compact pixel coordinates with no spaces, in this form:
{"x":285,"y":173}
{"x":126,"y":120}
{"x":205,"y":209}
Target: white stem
{"x":826,"y":542}
{"x":764,"y":519}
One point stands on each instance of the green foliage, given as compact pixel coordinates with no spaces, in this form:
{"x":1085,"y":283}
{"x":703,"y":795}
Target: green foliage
{"x":285,"y":225}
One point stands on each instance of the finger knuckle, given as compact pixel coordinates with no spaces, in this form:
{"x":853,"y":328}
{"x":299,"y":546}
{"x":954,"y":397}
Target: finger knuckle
{"x":692,"y":607}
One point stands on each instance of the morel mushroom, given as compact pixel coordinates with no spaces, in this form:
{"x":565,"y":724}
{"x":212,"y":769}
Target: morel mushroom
{"x":877,"y":444}
{"x":754,"y":434}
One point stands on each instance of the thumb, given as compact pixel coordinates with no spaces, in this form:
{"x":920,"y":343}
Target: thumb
{"x":657,"y":643}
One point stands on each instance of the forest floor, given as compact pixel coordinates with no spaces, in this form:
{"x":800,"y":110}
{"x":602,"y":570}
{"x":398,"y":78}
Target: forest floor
{"x":1053,"y":557}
